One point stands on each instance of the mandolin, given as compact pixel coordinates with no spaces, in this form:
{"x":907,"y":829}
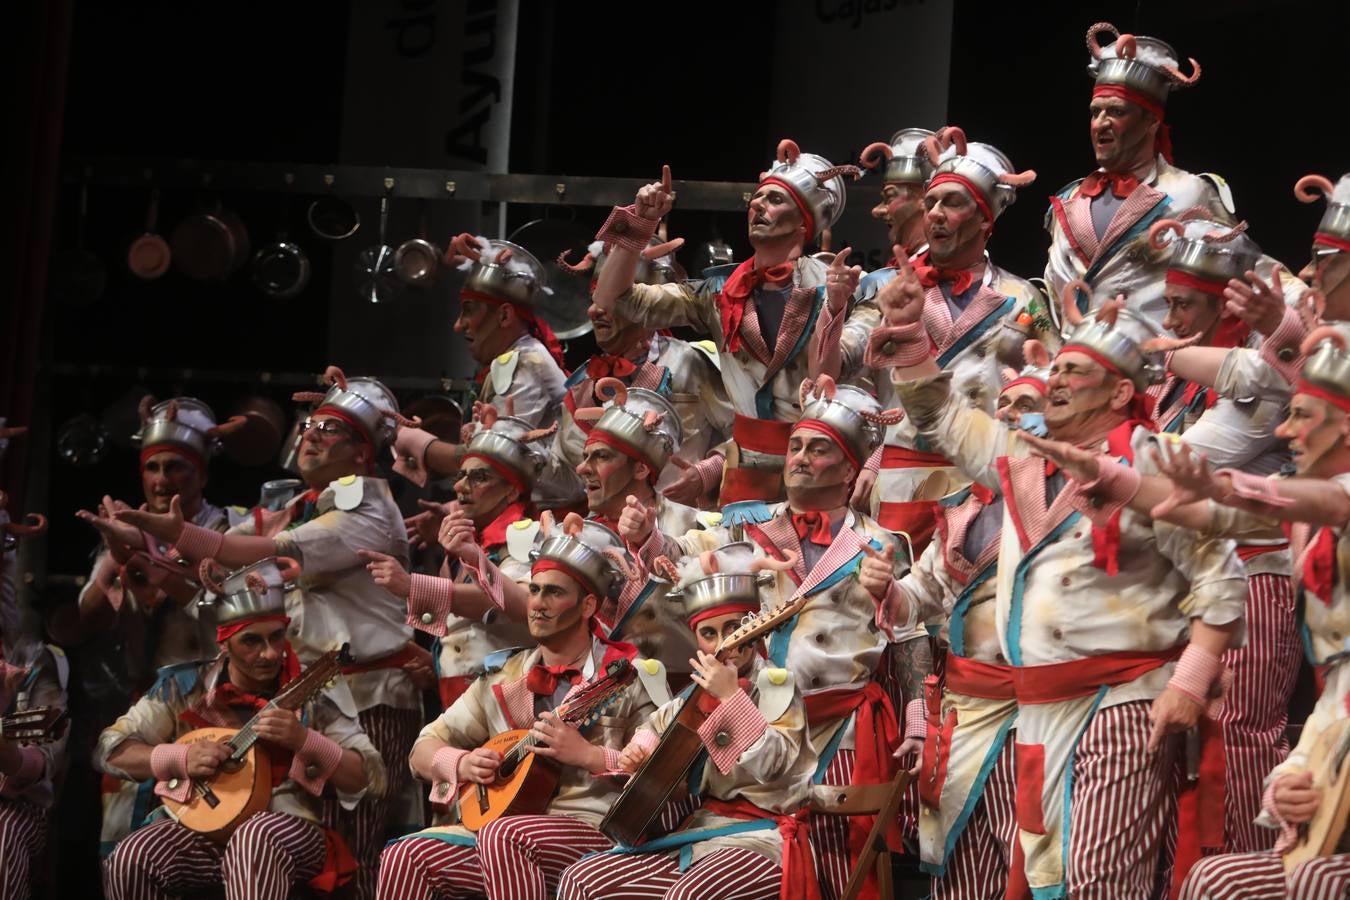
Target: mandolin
{"x":1327,"y":759}
{"x":242,"y":785}
{"x":39,"y":725}
{"x":525,"y":783}
{"x":647,"y":792}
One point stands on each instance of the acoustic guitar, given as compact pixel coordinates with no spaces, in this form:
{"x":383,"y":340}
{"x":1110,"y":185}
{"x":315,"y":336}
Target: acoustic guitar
{"x":525,"y":783}
{"x":647,"y":792}
{"x":1321,"y":836}
{"x":39,"y":725}
{"x":242,"y":786}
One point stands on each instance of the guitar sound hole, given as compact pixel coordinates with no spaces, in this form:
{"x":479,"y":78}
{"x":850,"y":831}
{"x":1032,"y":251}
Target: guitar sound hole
{"x":231,"y":765}
{"x":507,"y":768}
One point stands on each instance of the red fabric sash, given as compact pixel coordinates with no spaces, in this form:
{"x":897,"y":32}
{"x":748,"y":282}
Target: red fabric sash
{"x":177,"y":449}
{"x":799,"y":872}
{"x":761,"y":435}
{"x":908,"y":458}
{"x":916,"y":518}
{"x":974,"y":678}
{"x":745,"y":483}
{"x":1054,"y":682}
{"x":338,"y":864}
{"x":736,"y":293}
{"x":509,"y":475}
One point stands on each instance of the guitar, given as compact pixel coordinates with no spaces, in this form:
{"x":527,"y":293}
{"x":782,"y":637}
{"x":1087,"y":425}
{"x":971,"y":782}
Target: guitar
{"x":39,"y":725}
{"x":1327,"y":759}
{"x":647,"y":792}
{"x":525,"y":783}
{"x":242,"y":785}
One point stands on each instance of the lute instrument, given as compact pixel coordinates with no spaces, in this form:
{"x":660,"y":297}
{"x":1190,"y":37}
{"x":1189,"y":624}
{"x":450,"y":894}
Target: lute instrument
{"x":39,"y":725}
{"x":242,"y":786}
{"x":1327,"y":759}
{"x":525,"y":783}
{"x":647,"y":792}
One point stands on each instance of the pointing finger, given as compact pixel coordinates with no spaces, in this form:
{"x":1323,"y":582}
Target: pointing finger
{"x":665,"y":178}
{"x":373,"y":555}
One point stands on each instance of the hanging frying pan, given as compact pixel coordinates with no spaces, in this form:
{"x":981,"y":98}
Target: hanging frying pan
{"x":149,"y":256}
{"x":375,"y":279}
{"x":417,"y":262}
{"x":208,"y":246}
{"x":332,"y":218}
{"x":77,"y":274}
{"x":259,"y":440}
{"x":565,"y":310}
{"x":281,"y":269}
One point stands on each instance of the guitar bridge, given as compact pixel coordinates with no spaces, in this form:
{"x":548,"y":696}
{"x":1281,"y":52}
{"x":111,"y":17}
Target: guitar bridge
{"x":483,"y":805}
{"x":210,"y":796}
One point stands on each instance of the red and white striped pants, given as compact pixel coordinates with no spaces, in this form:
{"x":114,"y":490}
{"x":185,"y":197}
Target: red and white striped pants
{"x":366,"y":828}
{"x":977,"y":867}
{"x":1256,"y":709}
{"x":517,"y":858}
{"x":1123,"y":814}
{"x":1261,"y":876}
{"x":263,"y":859}
{"x":727,"y":874}
{"x":829,"y":834}
{"x":23,"y":834}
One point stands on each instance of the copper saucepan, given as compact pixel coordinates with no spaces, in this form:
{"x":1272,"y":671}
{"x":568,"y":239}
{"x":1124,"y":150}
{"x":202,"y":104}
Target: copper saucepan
{"x":149,"y":255}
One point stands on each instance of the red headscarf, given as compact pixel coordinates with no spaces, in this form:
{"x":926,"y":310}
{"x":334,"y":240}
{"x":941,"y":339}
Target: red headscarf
{"x":535,"y":325}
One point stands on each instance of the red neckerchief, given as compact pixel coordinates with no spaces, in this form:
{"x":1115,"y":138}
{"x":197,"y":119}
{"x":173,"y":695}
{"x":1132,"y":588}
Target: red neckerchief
{"x":543,"y":680}
{"x":737,"y":290}
{"x":1106,"y":539}
{"x":982,"y":494}
{"x":1122,"y":184}
{"x":707,"y":703}
{"x":493,"y":534}
{"x":1232,"y":332}
{"x":813,"y":526}
{"x":603,"y":365}
{"x":930,"y":276}
{"x":1319,"y":564}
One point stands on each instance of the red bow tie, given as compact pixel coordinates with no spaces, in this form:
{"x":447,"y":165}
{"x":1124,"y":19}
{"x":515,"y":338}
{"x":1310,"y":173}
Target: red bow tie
{"x":707,"y":703}
{"x":229,"y":695}
{"x":813,"y":527}
{"x":604,"y":366}
{"x":543,"y":680}
{"x":931,"y":276}
{"x":1122,"y":185}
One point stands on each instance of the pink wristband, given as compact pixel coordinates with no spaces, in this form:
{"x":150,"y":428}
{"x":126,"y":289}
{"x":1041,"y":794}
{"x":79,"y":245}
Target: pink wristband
{"x":1258,"y":488}
{"x":873,"y":463}
{"x":169,"y":761}
{"x":1288,"y":833}
{"x":197,"y":543}
{"x":625,"y":228}
{"x":710,"y":472}
{"x":900,"y":346}
{"x":1108,"y":493}
{"x":1281,"y":349}
{"x":1196,"y":673}
{"x":316,"y":760}
{"x":916,"y":719}
{"x":410,"y":453}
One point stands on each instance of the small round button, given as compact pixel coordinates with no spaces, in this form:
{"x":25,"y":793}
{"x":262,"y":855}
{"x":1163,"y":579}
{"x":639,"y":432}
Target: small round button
{"x":1058,"y":635}
{"x":722,"y":738}
{"x":173,"y":784}
{"x":312,"y":771}
{"x":426,"y":618}
{"x":1064,"y":581}
{"x":443,"y":788}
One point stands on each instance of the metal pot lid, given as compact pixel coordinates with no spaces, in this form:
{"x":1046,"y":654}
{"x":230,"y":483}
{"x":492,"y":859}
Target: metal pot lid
{"x":375,"y":278}
{"x":332,"y":218}
{"x":565,"y":309}
{"x":417,"y":262}
{"x":281,"y":270}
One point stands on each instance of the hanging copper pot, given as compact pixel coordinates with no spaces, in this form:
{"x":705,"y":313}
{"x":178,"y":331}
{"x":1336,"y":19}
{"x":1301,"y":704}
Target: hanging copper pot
{"x":259,"y":440}
{"x":149,"y":255}
{"x":208,"y":246}
{"x":417,"y":262}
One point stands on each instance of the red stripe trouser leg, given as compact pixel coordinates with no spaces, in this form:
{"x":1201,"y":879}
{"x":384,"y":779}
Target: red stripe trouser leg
{"x":23,"y":834}
{"x":829,"y":834}
{"x":1261,"y":876}
{"x":161,"y":861}
{"x":268,"y":854}
{"x":524,"y":856}
{"x":1124,"y":800}
{"x":365,"y":828}
{"x":727,"y":874}
{"x":1256,"y":709}
{"x":977,"y":867}
{"x":428,"y":869}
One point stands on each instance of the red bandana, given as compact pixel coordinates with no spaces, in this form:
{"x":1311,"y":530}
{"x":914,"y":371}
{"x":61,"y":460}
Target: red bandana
{"x":493,"y":534}
{"x":1122,"y":185}
{"x":930,"y":276}
{"x":604,"y":366}
{"x":737,"y":290}
{"x":543,"y":680}
{"x":812,"y":526}
{"x":1162,"y":143}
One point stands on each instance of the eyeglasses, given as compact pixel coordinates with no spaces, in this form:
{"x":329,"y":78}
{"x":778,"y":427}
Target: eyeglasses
{"x":329,"y":428}
{"x":475,"y":477}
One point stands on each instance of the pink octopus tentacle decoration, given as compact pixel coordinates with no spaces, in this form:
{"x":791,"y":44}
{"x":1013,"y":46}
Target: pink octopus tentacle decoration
{"x":503,"y":256}
{"x":290,"y":568}
{"x":1164,"y":344}
{"x":663,"y":566}
{"x":848,"y":169}
{"x":171,"y":411}
{"x":33,"y":523}
{"x":1095,"y":29}
{"x":255,"y":583}
{"x":546,"y":523}
{"x":953,"y":135}
{"x":1223,"y":237}
{"x":307,"y":397}
{"x":539,"y":434}
{"x":768,"y":564}
{"x":1127,"y":47}
{"x":651,"y":420}
{"x":1320,"y":334}
{"x":1068,"y":300}
{"x":401,"y":419}
{"x":788,"y":151}
{"x":1035,"y":353}
{"x":572,"y":524}
{"x":229,"y":426}
{"x":1184,"y":80}
{"x":609,"y":388}
{"x":622,"y":563}
{"x":875,"y":155}
{"x":206,"y":574}
{"x":1017,"y":179}
{"x":1195,"y":212}
{"x":707,"y":561}
{"x":465,"y":245}
{"x":886,"y":417}
{"x":333,"y":375}
{"x":1158,"y":230}
{"x":933,"y":148}
{"x":488,"y":416}
{"x":1109,"y":311}
{"x":510,"y":404}
{"x":587,"y":263}
{"x":1310,"y":187}
{"x":656,"y":251}
{"x":145,"y":408}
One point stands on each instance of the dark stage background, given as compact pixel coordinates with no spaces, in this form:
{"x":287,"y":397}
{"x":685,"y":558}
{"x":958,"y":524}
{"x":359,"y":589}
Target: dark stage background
{"x":600,"y":89}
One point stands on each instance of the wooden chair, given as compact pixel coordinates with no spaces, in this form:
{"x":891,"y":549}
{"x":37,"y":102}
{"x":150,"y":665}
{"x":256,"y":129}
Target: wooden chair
{"x":881,"y":800}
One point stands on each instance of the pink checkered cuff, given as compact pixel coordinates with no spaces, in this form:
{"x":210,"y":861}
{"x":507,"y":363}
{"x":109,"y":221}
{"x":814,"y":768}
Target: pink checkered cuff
{"x":489,"y":578}
{"x":168,"y":762}
{"x":1108,"y":493}
{"x":900,"y":346}
{"x":197,"y":543}
{"x":873,"y":463}
{"x":710,"y":472}
{"x":646,"y":739}
{"x":895,"y":600}
{"x":625,"y":228}
{"x":829,"y":337}
{"x":430,"y":600}
{"x":916,"y":719}
{"x":445,"y":774}
{"x":611,"y":763}
{"x":1280,"y":350}
{"x":1196,"y":673}
{"x":1288,"y":833}
{"x":1256,"y":488}
{"x":656,"y":545}
{"x":731,"y":729}
{"x":410,"y":454}
{"x":315,"y":762}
